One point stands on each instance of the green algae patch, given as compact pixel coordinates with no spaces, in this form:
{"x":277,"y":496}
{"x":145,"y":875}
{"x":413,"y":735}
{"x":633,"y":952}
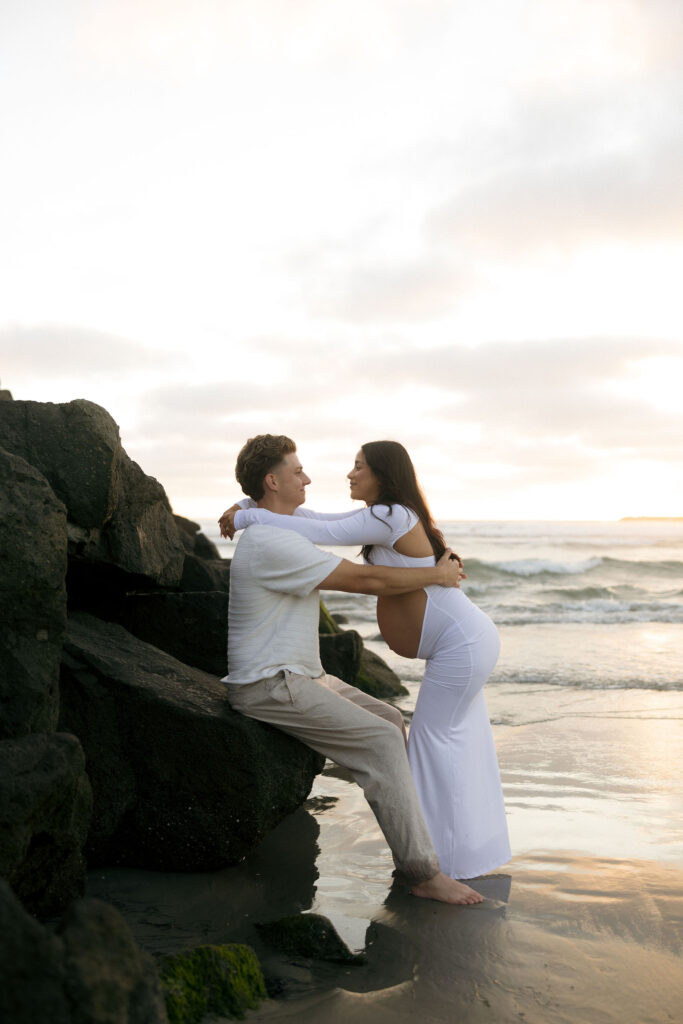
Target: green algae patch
{"x":327,"y":625}
{"x":225,"y":980}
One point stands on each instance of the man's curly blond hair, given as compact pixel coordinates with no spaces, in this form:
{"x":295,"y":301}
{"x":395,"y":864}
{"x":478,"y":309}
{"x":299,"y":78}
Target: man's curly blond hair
{"x":259,"y":456}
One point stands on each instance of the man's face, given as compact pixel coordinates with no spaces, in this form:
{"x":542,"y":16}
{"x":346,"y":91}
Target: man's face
{"x":291,"y":480}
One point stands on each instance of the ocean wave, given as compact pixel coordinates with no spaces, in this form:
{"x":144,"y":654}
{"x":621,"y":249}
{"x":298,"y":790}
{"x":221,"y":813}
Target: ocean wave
{"x":596,"y":682}
{"x":534,"y":566}
{"x":598,"y":611}
{"x":528,"y":568}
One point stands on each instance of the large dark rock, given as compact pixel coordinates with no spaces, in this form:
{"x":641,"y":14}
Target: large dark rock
{"x":117,"y":514}
{"x":192,"y":627}
{"x":89,"y":972}
{"x":202,"y":574}
{"x":340,"y":654}
{"x":32,"y":598}
{"x":180,"y":781}
{"x":45,"y":808}
{"x":376,"y":678}
{"x":32,"y":973}
{"x":194,"y":541}
{"x":107,"y":977}
{"x":75,"y":445}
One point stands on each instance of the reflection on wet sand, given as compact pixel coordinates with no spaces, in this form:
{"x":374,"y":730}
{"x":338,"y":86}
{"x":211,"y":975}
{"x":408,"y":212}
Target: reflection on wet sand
{"x":581,"y":940}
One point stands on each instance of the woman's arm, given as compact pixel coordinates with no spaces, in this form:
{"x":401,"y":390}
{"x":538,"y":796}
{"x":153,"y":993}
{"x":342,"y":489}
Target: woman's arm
{"x":360,"y":527}
{"x":310,"y":513}
{"x":227,"y":520}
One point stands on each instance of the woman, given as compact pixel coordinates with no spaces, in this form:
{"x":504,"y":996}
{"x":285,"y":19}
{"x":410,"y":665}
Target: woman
{"x":450,"y":748}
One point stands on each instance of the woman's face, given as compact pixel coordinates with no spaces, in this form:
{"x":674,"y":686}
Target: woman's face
{"x":364,"y":483}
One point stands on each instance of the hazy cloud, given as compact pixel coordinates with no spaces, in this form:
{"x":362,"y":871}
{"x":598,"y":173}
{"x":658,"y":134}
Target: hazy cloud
{"x":63,"y":350}
{"x":629,"y":196}
{"x":386,"y":291}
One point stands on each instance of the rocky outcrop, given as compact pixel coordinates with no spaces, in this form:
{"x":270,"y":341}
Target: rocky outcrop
{"x":45,"y":808}
{"x":118,"y":515}
{"x":180,"y":781}
{"x":89,"y":972}
{"x":32,"y":598}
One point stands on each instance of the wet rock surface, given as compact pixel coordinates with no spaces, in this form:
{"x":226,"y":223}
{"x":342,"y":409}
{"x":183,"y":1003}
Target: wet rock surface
{"x":308,"y":935}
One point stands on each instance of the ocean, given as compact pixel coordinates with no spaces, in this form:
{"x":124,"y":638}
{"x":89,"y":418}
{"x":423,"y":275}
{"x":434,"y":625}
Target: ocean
{"x":589,"y":605}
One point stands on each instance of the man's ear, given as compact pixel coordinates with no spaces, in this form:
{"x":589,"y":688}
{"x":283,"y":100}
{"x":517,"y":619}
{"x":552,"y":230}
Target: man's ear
{"x":270,"y":482}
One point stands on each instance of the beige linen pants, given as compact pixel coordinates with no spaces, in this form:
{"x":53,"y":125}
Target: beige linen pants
{"x":360,"y":733}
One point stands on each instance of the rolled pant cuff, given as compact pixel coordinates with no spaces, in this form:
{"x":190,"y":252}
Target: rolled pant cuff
{"x":415,"y":875}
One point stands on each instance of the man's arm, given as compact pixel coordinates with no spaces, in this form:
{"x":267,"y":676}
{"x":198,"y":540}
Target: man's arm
{"x":382,"y":579}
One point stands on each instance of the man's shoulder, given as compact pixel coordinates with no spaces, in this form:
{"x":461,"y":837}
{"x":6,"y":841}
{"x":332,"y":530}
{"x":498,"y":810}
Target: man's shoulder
{"x":261,"y":535}
{"x":263,"y":548}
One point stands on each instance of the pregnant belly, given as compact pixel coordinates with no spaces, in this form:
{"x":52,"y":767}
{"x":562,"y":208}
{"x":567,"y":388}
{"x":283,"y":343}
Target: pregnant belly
{"x":400,"y":620}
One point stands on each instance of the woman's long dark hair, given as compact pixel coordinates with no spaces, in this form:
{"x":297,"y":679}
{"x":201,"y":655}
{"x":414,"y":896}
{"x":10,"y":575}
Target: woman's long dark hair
{"x":391,"y":464}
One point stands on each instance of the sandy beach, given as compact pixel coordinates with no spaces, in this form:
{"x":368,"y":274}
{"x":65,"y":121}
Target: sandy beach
{"x":585,"y":924}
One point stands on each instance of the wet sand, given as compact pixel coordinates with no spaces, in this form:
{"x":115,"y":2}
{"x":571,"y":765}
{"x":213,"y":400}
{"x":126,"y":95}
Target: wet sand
{"x":585,"y":924}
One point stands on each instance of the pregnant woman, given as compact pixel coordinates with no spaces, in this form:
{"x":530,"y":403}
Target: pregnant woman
{"x":450,"y":747}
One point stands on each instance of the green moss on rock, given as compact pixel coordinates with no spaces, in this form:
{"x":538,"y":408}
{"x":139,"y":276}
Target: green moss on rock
{"x":327,"y":624}
{"x":225,"y":980}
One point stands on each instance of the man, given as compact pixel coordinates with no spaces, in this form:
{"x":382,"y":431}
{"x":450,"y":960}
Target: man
{"x":275,"y":674}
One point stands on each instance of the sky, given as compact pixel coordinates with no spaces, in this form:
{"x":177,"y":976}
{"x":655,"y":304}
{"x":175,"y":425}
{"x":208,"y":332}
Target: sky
{"x":458,"y":225}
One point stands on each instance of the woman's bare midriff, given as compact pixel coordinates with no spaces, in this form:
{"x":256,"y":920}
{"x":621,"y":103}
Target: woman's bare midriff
{"x":400,"y":620}
{"x":400,"y":616}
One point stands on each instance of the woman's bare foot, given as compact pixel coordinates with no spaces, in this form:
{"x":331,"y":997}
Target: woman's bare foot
{"x":446,"y":890}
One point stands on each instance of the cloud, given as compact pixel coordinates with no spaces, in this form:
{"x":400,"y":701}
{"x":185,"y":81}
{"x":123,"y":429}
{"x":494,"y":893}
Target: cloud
{"x":582,"y":391}
{"x":390,"y":291}
{"x":504,"y":414}
{"x":62,"y":350}
{"x":625,"y":197}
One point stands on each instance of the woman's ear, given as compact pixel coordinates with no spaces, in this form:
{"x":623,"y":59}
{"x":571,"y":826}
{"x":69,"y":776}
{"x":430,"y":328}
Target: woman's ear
{"x":270,"y":482}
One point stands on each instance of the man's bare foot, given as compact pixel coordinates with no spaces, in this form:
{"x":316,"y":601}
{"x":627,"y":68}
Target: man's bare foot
{"x":446,"y":890}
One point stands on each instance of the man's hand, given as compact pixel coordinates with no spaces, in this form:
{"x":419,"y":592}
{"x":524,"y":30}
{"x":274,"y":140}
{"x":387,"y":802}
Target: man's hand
{"x":227,"y":522}
{"x":450,"y":567}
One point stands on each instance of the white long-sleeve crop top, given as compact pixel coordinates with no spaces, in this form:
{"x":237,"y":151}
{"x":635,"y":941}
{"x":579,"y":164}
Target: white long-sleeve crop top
{"x":380,"y":524}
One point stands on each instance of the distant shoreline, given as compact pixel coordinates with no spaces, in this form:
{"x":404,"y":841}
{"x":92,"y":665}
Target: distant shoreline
{"x":651,"y":519}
